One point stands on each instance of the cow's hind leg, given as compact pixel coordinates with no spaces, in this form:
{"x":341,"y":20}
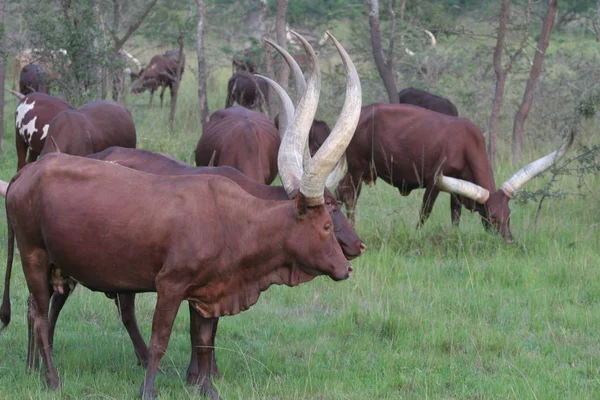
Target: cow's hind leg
{"x":33,"y":351}
{"x":126,"y":305}
{"x":57,"y":302}
{"x":162,"y":95}
{"x":36,"y":268}
{"x":455,"y":210}
{"x":431,"y":193}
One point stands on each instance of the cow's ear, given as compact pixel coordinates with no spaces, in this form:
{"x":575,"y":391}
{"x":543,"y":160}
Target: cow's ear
{"x":301,"y":206}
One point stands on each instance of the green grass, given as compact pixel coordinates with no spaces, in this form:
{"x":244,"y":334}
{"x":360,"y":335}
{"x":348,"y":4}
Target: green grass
{"x":431,"y":314}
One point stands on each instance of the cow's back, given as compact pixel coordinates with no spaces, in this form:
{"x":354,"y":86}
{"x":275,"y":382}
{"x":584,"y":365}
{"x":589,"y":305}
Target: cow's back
{"x":430,"y":101}
{"x":42,"y":108}
{"x":407,"y":144}
{"x":91,"y":128}
{"x":245,"y":140}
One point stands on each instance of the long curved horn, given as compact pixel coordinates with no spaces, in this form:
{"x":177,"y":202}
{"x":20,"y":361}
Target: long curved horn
{"x":137,"y":62}
{"x":288,"y":106}
{"x":323,"y":162}
{"x":535,"y":168}
{"x":290,"y":158}
{"x":3,"y":188}
{"x":431,"y":37}
{"x":294,"y":67}
{"x":462,"y":188}
{"x":18,"y":95}
{"x":337,"y":174}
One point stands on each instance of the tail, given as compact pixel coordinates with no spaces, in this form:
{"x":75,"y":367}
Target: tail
{"x":230,"y":89}
{"x":3,"y":188}
{"x":5,"y":308}
{"x":18,"y":95}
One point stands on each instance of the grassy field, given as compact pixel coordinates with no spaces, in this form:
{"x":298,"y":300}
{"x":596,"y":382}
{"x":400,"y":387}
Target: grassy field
{"x":430,"y":314}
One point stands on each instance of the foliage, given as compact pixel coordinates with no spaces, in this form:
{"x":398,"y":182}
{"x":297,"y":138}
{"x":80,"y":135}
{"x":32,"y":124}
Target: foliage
{"x":70,"y":45}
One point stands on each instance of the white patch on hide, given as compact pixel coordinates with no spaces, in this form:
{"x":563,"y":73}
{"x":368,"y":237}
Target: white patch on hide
{"x":44,"y":131}
{"x":28,"y":130}
{"x":23,"y":109}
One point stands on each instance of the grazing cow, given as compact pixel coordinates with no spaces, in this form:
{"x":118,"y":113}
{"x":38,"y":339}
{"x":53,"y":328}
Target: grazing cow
{"x":121,"y":70}
{"x":424,"y":99}
{"x":177,"y":256}
{"x":49,"y":61}
{"x":91,"y":128}
{"x":240,"y":138}
{"x":410,"y":147}
{"x":32,"y":80}
{"x":32,"y":120}
{"x":160,"y":72}
{"x":247,"y":90}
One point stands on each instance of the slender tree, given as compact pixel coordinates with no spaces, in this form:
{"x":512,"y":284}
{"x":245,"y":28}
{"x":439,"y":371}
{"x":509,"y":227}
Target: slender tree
{"x":536,"y":69}
{"x":268,"y":59}
{"x":283,"y":74}
{"x":384,"y":63}
{"x":202,"y":69}
{"x":502,"y":73}
{"x":2,"y":70}
{"x":119,"y":42}
{"x":180,"y":61}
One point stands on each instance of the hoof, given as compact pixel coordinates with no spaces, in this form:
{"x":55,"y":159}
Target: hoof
{"x":147,"y":394}
{"x":53,"y":382}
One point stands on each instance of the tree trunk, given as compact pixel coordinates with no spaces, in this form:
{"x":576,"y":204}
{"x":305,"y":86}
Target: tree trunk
{"x":536,"y":69}
{"x":180,"y":61}
{"x":2,"y":70}
{"x":284,"y":72}
{"x":202,"y":70}
{"x":383,"y":66}
{"x":268,"y":60}
{"x":175,"y":87}
{"x":501,"y":74}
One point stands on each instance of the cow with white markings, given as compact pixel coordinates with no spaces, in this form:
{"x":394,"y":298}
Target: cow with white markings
{"x":32,"y":120}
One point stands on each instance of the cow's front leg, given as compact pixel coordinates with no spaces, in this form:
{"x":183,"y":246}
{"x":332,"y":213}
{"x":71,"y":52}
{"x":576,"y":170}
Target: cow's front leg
{"x":167,"y":305}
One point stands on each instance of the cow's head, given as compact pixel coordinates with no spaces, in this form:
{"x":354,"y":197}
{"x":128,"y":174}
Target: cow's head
{"x":351,"y":244}
{"x":495,"y":213}
{"x":494,"y":208}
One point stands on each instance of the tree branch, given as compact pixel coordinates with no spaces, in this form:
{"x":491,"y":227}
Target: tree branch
{"x":390,"y":52}
{"x":120,"y":42}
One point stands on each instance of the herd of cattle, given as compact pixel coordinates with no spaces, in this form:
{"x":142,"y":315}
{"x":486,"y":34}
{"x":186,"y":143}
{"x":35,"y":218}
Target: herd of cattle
{"x":77,"y":213}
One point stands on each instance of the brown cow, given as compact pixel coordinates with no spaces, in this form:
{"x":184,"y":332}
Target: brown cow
{"x":176,"y":256}
{"x":161,"y":164}
{"x":247,"y":90}
{"x":160,"y":72}
{"x":32,"y":120}
{"x":410,"y":147}
{"x":32,"y":80}
{"x":240,"y":138}
{"x":91,"y":128}
{"x":424,"y":99}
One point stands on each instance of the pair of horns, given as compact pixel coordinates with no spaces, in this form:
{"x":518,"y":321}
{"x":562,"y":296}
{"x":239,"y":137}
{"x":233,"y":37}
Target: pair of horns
{"x":296,"y":168}
{"x":512,"y":185}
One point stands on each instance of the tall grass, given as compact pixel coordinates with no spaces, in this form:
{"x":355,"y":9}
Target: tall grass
{"x":439,"y":313}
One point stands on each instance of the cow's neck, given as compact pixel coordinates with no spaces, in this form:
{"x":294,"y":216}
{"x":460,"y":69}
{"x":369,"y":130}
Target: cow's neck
{"x":259,"y":256}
